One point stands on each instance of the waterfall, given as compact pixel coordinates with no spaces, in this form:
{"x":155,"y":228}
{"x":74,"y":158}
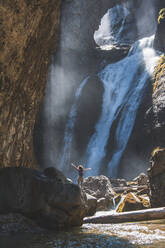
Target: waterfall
{"x":124,"y":84}
{"x":113,"y":25}
{"x":69,"y":129}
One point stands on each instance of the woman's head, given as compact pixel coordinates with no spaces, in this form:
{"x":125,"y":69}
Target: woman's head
{"x":80,"y":167}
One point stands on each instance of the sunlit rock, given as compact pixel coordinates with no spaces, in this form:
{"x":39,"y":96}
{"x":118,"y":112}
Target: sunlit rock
{"x":131,"y":202}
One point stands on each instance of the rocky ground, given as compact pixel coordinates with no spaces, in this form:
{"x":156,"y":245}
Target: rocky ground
{"x":118,"y":194}
{"x":34,"y":201}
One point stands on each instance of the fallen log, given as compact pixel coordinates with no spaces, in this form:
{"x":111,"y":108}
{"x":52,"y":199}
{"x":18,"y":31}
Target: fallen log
{"x":134,"y":188}
{"x":132,"y":216}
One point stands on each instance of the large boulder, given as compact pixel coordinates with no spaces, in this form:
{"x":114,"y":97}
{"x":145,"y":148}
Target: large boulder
{"x":101,"y":188}
{"x":91,"y":205}
{"x":14,"y":223}
{"x":156,"y":174}
{"x":98,"y":186}
{"x":48,"y":198}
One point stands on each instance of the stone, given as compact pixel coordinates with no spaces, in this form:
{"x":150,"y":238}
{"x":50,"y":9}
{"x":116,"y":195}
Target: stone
{"x":92,"y":205}
{"x":118,"y":182}
{"x":159,"y":42}
{"x":98,"y":186}
{"x":47,"y":198}
{"x":14,"y":223}
{"x":28,"y":31}
{"x":142,"y":179}
{"x":156,"y":174}
{"x":131,"y":202}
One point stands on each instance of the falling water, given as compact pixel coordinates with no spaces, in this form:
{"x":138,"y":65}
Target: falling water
{"x":124,"y":84}
{"x":68,"y":134}
{"x":113,"y":25}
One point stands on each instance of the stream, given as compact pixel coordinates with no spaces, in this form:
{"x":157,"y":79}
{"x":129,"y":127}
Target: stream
{"x":149,"y":234}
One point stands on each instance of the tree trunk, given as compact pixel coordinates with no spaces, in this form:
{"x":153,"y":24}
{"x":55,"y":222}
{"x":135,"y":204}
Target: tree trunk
{"x":132,"y":216}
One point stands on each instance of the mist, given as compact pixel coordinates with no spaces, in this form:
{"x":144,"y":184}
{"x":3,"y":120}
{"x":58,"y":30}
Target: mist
{"x":73,"y":62}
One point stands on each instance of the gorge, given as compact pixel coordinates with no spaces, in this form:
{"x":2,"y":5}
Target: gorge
{"x":83,"y":82}
{"x":71,"y":129}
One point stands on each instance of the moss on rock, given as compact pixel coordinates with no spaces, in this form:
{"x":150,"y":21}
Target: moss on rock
{"x":159,"y":71}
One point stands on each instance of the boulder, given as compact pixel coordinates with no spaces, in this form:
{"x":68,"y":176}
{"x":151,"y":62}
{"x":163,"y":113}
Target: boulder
{"x":118,"y":182}
{"x":131,"y":202}
{"x":98,"y":186}
{"x":14,"y":223}
{"x":48,"y":198}
{"x":92,"y":205}
{"x":142,"y":179}
{"x":156,"y":174}
{"x":101,"y":188}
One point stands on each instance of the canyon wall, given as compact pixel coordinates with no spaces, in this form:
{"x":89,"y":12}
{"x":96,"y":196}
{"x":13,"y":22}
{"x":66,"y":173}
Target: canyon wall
{"x":28,"y":31}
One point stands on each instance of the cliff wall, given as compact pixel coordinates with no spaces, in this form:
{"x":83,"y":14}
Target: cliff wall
{"x":28,"y":31}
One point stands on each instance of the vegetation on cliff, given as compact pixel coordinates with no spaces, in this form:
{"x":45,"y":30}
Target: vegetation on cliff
{"x":159,"y":71}
{"x":161,"y":16}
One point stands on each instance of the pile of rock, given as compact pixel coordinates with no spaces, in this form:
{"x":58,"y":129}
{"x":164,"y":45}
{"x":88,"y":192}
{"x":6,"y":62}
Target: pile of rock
{"x":101,"y":189}
{"x":106,"y":194}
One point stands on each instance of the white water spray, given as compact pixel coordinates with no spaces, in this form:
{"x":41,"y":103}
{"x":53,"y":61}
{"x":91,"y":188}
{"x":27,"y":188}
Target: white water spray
{"x":68,"y":134}
{"x":124,"y":84}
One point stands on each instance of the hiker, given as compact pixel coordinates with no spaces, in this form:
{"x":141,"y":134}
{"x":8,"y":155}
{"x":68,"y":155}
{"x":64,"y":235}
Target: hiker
{"x":80,"y":170}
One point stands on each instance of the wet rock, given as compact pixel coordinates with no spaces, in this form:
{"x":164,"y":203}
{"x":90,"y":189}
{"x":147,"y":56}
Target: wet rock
{"x":101,"y":188}
{"x":118,"y":182}
{"x":17,"y":223}
{"x":98,"y":186}
{"x":131,"y":202}
{"x":156,"y":174}
{"x":155,"y":115}
{"x":143,"y":191}
{"x":92,"y":205}
{"x":49,"y":199}
{"x":142,"y":179}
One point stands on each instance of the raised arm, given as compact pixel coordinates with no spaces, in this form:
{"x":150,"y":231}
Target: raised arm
{"x":87,"y":169}
{"x":74,"y":166}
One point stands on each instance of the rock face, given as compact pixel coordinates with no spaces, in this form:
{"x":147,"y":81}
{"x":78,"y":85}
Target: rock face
{"x":17,"y":223}
{"x":101,"y":188}
{"x":28,"y":31}
{"x":92,"y":205}
{"x":159,"y":43}
{"x":98,"y":186}
{"x":156,"y":175}
{"x":47,"y":198}
{"x":155,"y":121}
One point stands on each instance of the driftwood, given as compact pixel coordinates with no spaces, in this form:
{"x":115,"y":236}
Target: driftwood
{"x":129,"y":188}
{"x":132,"y":216}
